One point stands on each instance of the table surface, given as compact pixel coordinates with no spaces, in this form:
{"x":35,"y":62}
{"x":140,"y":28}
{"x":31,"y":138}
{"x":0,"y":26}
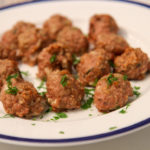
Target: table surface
{"x":134,"y":141}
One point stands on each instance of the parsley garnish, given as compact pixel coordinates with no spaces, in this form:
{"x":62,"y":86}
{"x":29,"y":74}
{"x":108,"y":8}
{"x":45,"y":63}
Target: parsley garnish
{"x":61,"y":132}
{"x":59,"y":115}
{"x":87,"y":104}
{"x":125,"y":77}
{"x":123,"y":111}
{"x":49,"y":110}
{"x":8,"y":116}
{"x":113,"y":128}
{"x":135,"y":91}
{"x":88,"y":91}
{"x":41,"y":86}
{"x":53,"y":58}
{"x":95,"y":82}
{"x":25,"y":73}
{"x":90,"y":115}
{"x":111,"y":79}
{"x":111,"y":63}
{"x":64,"y":80}
{"x":42,"y":94}
{"x":11,"y":90}
{"x":76,"y":60}
{"x":33,"y":124}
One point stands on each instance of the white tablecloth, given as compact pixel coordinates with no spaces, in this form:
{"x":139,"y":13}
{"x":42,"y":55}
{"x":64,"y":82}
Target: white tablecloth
{"x":139,"y":140}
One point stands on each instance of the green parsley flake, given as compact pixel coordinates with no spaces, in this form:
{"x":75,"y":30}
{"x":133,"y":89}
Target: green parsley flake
{"x":111,"y":63}
{"x":76,"y":60}
{"x":135,"y":91}
{"x":58,"y":116}
{"x":88,"y":91}
{"x":49,"y":110}
{"x":113,"y":128}
{"x":64,"y":80}
{"x":41,"y":86}
{"x":90,"y":115}
{"x":87,"y":104}
{"x":11,"y":90}
{"x":7,"y":116}
{"x":33,"y":124}
{"x":53,"y":58}
{"x":25,"y":73}
{"x":137,"y":87}
{"x":95,"y":82}
{"x":125,"y":77}
{"x":123,"y":111}
{"x":61,"y":132}
{"x":42,"y":94}
{"x":111,"y":79}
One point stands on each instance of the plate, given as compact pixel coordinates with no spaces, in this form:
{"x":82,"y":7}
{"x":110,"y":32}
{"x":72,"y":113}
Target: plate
{"x":80,"y":127}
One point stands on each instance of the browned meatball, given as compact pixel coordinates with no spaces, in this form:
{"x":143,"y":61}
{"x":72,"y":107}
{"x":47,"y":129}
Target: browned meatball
{"x":63,"y":91}
{"x":93,"y":65}
{"x":6,"y":53}
{"x":53,"y":57}
{"x":25,"y":103}
{"x":101,"y":23}
{"x":73,"y":39}
{"x":112,"y":91}
{"x":7,"y":68}
{"x":149,"y":66}
{"x":112,"y":43}
{"x":55,"y":24}
{"x":133,"y":63}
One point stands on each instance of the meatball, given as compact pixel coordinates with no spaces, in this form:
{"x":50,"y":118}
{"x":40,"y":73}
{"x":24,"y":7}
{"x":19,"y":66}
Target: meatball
{"x":25,"y":103}
{"x":8,"y":67}
{"x":133,"y":63}
{"x":93,"y":65}
{"x":112,"y":42}
{"x":73,"y":39}
{"x":6,"y":53}
{"x":101,"y":23}
{"x":149,"y":66}
{"x":55,"y":24}
{"x":64,"y":92}
{"x":53,"y":57}
{"x":112,"y":91}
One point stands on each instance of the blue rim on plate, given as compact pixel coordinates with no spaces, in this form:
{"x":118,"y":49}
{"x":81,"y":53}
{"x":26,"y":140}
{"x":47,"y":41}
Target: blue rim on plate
{"x":79,"y":139}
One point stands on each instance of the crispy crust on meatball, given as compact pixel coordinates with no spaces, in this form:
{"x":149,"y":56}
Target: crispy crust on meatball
{"x":101,"y":23}
{"x":149,"y":66}
{"x":53,"y":57}
{"x":93,"y":65}
{"x":133,"y":63}
{"x":8,"y":67}
{"x":112,"y":42}
{"x":55,"y":24}
{"x":73,"y":39}
{"x":110,"y":97}
{"x":63,"y":97}
{"x":26,"y":103}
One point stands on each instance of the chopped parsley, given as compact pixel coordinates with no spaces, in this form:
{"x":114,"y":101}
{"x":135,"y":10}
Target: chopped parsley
{"x":7,"y":116}
{"x":53,"y":58}
{"x":64,"y":80}
{"x":25,"y":73}
{"x":76,"y":60}
{"x":88,"y":91}
{"x":49,"y":110}
{"x":90,"y":115}
{"x":111,"y":63}
{"x":11,"y":90}
{"x":123,"y":111}
{"x":59,"y":115}
{"x":87,"y":104}
{"x":41,"y":86}
{"x":111,"y":79}
{"x":135,"y":91}
{"x":125,"y":77}
{"x":95,"y":82}
{"x":113,"y":128}
{"x":61,"y":132}
{"x":33,"y":124}
{"x":42,"y":94}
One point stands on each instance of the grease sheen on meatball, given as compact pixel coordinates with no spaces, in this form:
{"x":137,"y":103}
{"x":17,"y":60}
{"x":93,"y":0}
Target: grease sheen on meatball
{"x":53,"y":57}
{"x":101,"y":23}
{"x":93,"y":65}
{"x":109,"y":97}
{"x":55,"y":24}
{"x":74,"y":40}
{"x":63,"y":96}
{"x":133,"y":63}
{"x":112,"y":42}
{"x":26,"y":103}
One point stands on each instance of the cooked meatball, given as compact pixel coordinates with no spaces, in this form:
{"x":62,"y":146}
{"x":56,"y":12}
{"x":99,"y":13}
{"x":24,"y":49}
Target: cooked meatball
{"x":6,"y":53}
{"x":149,"y":66}
{"x":64,"y":92}
{"x":93,"y":65}
{"x":25,"y":103}
{"x":7,"y":68}
{"x":55,"y":24}
{"x":101,"y":23}
{"x":112,"y":91}
{"x":133,"y":63}
{"x":112,"y":42}
{"x":73,"y":39}
{"x":53,"y":57}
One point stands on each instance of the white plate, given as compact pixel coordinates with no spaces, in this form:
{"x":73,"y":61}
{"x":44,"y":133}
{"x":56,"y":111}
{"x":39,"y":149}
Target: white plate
{"x":79,"y":127}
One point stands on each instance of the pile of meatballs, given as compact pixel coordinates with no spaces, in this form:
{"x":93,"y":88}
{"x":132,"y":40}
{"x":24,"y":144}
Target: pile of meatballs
{"x":59,"y":49}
